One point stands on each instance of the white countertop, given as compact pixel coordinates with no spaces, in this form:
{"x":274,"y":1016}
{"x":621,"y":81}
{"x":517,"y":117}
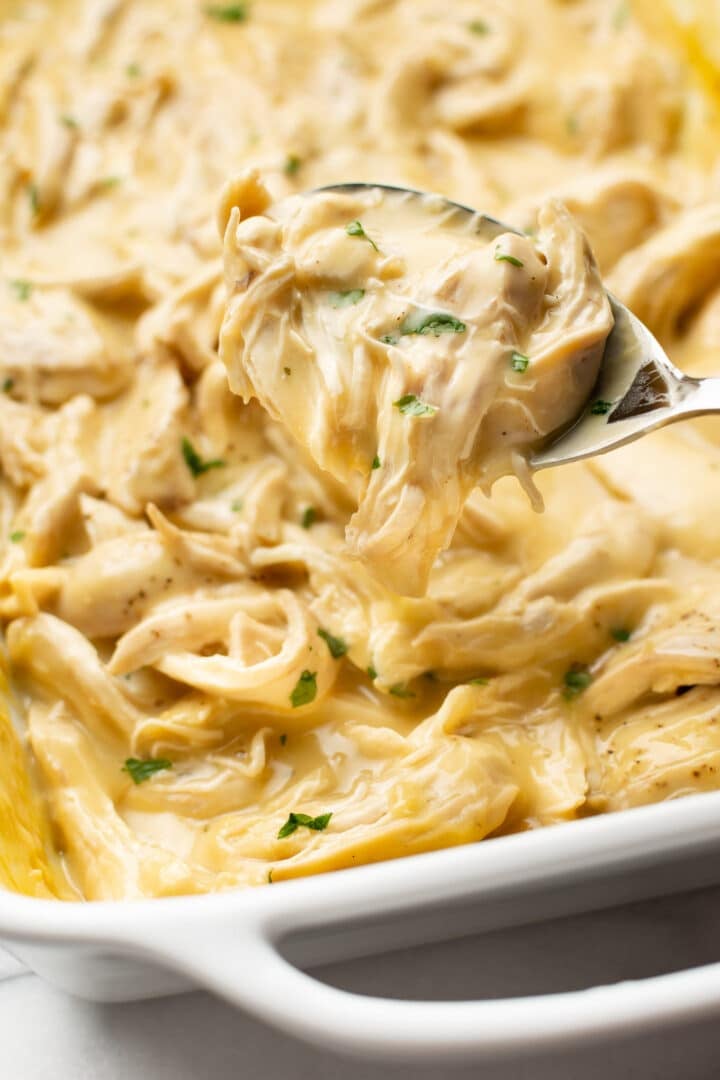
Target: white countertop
{"x":47,"y":1036}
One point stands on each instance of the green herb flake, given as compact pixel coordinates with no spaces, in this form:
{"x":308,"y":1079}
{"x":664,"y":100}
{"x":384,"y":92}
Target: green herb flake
{"x":16,"y":537}
{"x":283,"y":739}
{"x":576,"y":680}
{"x":294,"y":821}
{"x":236,"y":506}
{"x":435,"y":323}
{"x":269,"y":877}
{"x":195,"y":463}
{"x":305,"y":689}
{"x":34,"y":198}
{"x":355,"y":228}
{"x":518,"y":361}
{"x":401,"y":691}
{"x":68,"y":121}
{"x":309,"y":517}
{"x":345,"y":299}
{"x":478,"y":682}
{"x":372,"y":673}
{"x":389,"y":339}
{"x":572,"y":125}
{"x":141,"y":770}
{"x":22,"y":289}
{"x":229,"y":13}
{"x":621,"y":15}
{"x":410,"y":405}
{"x":107,"y":182}
{"x":7,"y":385}
{"x":600,"y":407}
{"x":620,"y":633}
{"x":478,"y":26}
{"x":501,"y":256}
{"x":292,"y":165}
{"x":376,"y":463}
{"x":133,"y":70}
{"x":336,"y":645}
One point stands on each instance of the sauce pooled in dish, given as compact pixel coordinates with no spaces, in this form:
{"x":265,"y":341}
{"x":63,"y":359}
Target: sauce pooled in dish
{"x":213,"y":691}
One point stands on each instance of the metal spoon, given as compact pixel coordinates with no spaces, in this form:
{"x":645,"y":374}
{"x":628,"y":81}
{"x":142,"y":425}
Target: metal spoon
{"x":637,"y":391}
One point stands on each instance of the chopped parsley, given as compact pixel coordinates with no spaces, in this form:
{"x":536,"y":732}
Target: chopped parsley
{"x":600,"y":407}
{"x":576,"y":680}
{"x":501,"y":256}
{"x":292,"y":165}
{"x":376,"y":463}
{"x":68,"y":121}
{"x":572,"y":125}
{"x":16,"y":537}
{"x":518,"y":361}
{"x":355,"y":228}
{"x":389,"y":339}
{"x":22,"y":289}
{"x":478,"y":682}
{"x":309,"y":517}
{"x":236,"y":506}
{"x":283,"y":739}
{"x":345,"y":299}
{"x":133,"y":70}
{"x":620,"y":633}
{"x":140,"y":770}
{"x":109,"y":181}
{"x":372,"y":673}
{"x":478,"y":26}
{"x":410,"y":405}
{"x":294,"y":821}
{"x":435,"y":323}
{"x":7,"y":385}
{"x":269,"y":877}
{"x":195,"y":463}
{"x":401,"y":691}
{"x":336,"y":645}
{"x":305,"y":689}
{"x":230,"y":13}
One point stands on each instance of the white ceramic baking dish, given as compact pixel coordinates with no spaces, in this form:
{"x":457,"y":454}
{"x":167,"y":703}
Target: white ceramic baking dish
{"x":248,"y":946}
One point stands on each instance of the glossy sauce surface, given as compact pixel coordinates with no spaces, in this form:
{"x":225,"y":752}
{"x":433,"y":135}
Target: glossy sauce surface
{"x":169,"y":557}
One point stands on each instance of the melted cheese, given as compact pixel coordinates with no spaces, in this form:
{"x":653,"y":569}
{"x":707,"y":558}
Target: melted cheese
{"x":169,"y":555}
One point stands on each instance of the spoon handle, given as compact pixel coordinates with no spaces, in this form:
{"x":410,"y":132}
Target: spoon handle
{"x":702,"y":398}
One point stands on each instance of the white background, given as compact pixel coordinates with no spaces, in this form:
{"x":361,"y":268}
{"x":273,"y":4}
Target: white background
{"x":47,"y":1036}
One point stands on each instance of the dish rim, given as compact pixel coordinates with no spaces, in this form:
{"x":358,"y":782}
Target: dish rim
{"x":231,"y":942}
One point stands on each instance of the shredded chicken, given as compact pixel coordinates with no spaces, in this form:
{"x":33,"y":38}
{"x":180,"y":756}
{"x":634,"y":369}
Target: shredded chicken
{"x":216,"y":612}
{"x":434,"y":357}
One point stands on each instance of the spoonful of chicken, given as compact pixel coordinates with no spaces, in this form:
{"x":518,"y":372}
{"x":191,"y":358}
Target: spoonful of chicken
{"x":417,"y":349}
{"x":637,"y":389}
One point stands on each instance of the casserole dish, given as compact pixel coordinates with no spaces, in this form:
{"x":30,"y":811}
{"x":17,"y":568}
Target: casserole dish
{"x":289,"y":689}
{"x":247,"y":946}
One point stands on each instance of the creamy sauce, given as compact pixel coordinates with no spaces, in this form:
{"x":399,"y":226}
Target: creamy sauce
{"x":177,"y":598}
{"x":413,"y":356}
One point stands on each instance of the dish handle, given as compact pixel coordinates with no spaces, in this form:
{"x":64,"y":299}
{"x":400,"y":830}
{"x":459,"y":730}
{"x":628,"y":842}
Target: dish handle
{"x":244,"y":964}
